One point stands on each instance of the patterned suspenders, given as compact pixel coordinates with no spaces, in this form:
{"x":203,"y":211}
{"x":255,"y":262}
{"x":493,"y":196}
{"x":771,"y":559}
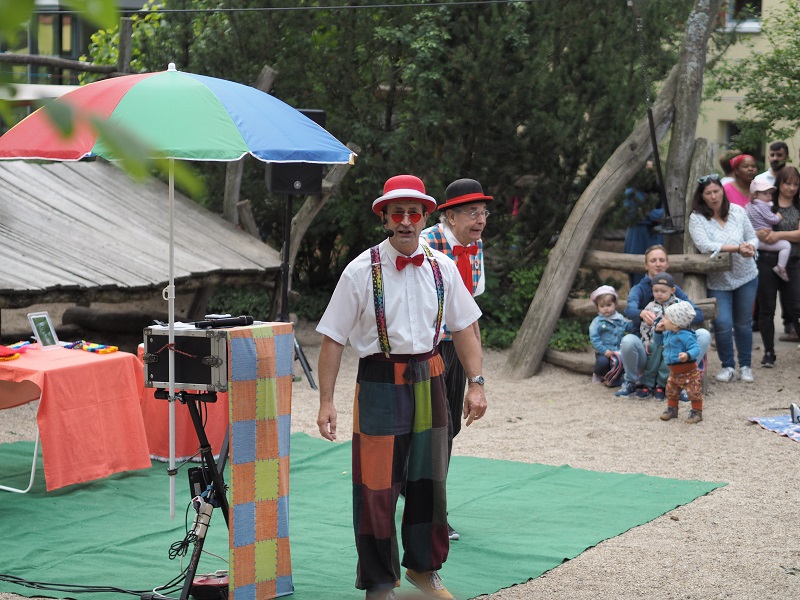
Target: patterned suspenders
{"x":378,"y":297}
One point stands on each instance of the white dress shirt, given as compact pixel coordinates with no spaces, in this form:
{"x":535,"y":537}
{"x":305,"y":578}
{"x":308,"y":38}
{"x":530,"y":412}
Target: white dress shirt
{"x":410,"y":303}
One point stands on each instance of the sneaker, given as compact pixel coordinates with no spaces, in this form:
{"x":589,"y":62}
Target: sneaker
{"x":671,"y":412}
{"x":684,"y":396}
{"x":789,"y":337}
{"x":781,"y":272}
{"x":695,"y":416}
{"x":429,"y":583}
{"x":643,"y":393}
{"x":452,"y":533}
{"x":659,"y":394}
{"x":768,"y":362}
{"x":626,"y":390}
{"x":596,"y":378}
{"x":726,"y":375}
{"x":746,"y":374}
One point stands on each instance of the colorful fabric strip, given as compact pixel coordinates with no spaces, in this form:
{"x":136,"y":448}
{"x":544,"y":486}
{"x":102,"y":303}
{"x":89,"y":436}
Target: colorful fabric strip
{"x":377,"y":294}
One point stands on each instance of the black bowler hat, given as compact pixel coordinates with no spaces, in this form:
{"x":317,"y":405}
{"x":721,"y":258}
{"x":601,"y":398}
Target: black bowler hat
{"x":463,"y":191}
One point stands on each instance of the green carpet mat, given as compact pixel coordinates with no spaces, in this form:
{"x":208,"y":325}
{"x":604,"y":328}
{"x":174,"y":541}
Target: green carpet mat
{"x":517,"y":521}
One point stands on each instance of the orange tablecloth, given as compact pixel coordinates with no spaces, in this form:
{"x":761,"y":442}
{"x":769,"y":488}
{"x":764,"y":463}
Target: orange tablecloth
{"x":89,"y":417}
{"x":155,"y":414}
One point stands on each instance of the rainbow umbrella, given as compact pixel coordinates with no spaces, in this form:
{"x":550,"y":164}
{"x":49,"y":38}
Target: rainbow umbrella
{"x":179,"y":116}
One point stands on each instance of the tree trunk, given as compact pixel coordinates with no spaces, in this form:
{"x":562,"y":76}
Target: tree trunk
{"x":678,"y":263}
{"x":688,"y":97}
{"x":694,"y":284}
{"x":528,"y":349}
{"x":57,"y":63}
{"x":125,"y":45}
{"x":682,"y":89}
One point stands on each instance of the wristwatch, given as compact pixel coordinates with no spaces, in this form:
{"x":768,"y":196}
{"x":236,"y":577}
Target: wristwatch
{"x":477,"y":379}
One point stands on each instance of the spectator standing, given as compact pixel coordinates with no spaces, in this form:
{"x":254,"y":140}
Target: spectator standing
{"x":786,"y":201}
{"x":390,"y":303}
{"x":716,"y":225}
{"x":725,"y":165}
{"x":759,"y":211}
{"x":744,"y":170}
{"x":776,"y":156}
{"x":462,"y":218}
{"x":632,"y":353}
{"x":642,"y":213}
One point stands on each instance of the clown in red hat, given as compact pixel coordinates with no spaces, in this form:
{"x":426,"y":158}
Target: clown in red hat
{"x":392,"y":304}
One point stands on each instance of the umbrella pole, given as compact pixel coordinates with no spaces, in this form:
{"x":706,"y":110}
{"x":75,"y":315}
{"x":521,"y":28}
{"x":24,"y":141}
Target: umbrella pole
{"x":171,"y":339}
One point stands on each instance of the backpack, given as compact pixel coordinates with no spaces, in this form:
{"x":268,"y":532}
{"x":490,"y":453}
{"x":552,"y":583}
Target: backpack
{"x":615,"y":374}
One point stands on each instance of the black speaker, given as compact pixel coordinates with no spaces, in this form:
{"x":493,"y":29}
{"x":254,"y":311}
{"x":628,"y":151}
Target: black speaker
{"x":297,"y":178}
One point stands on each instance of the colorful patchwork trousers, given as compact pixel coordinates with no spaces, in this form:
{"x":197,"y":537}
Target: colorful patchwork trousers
{"x":685,"y":376}
{"x":401,"y":430}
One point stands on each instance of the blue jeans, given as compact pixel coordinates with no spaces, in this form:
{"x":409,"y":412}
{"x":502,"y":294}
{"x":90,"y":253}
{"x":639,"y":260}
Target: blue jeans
{"x":634,"y":358}
{"x":734,"y":323}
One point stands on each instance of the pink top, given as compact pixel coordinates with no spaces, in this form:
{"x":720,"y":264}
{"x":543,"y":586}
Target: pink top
{"x":735,"y":196}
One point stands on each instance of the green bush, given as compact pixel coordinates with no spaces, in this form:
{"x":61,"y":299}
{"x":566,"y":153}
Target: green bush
{"x":252,"y":301}
{"x":505,"y":304}
{"x":570,"y":335}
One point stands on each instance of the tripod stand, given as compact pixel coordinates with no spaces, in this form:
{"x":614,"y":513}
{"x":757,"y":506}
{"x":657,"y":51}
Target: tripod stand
{"x":213,"y":497}
{"x":284,"y":312}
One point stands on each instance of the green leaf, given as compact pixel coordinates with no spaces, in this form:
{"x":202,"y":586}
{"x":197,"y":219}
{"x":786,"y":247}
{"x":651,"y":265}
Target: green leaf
{"x":102,"y":13}
{"x":62,"y":116}
{"x":13,"y":15}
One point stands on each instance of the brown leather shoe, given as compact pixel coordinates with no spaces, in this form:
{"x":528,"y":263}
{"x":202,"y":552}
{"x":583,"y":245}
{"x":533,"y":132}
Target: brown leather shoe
{"x":695,"y":416}
{"x":671,"y":412}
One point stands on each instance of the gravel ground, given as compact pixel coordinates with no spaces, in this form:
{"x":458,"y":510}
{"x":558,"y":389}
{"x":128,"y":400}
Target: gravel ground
{"x":740,"y":541}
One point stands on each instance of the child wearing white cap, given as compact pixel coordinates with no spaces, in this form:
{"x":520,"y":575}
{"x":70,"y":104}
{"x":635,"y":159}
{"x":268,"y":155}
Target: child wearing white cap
{"x":760,"y":213}
{"x":605,"y":332}
{"x":680,"y":353}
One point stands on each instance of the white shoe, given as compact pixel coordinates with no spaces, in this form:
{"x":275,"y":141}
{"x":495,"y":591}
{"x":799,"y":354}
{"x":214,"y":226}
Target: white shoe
{"x":728,"y":374}
{"x":746,"y":374}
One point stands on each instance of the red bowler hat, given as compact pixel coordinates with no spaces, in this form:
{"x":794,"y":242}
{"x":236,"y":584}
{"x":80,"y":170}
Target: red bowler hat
{"x":463,"y":191}
{"x":403,"y":187}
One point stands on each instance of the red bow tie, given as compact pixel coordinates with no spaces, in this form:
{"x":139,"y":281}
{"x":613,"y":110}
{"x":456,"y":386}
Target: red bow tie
{"x":402,"y":261}
{"x":462,"y":254}
{"x":459,"y":250}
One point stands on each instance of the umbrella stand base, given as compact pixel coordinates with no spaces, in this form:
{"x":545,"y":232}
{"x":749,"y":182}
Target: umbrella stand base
{"x":215,"y":496}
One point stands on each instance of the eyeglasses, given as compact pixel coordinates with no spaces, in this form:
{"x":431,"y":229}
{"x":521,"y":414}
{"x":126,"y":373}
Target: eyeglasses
{"x":474,"y":213}
{"x":706,"y":178}
{"x":413,"y":217}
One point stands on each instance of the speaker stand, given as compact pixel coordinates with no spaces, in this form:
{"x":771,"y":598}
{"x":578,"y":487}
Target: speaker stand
{"x":299,"y":355}
{"x":217,"y":495}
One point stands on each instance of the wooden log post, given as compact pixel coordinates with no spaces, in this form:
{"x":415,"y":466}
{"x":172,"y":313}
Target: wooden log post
{"x":125,"y":45}
{"x":694,"y":283}
{"x":530,"y":344}
{"x":678,"y":263}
